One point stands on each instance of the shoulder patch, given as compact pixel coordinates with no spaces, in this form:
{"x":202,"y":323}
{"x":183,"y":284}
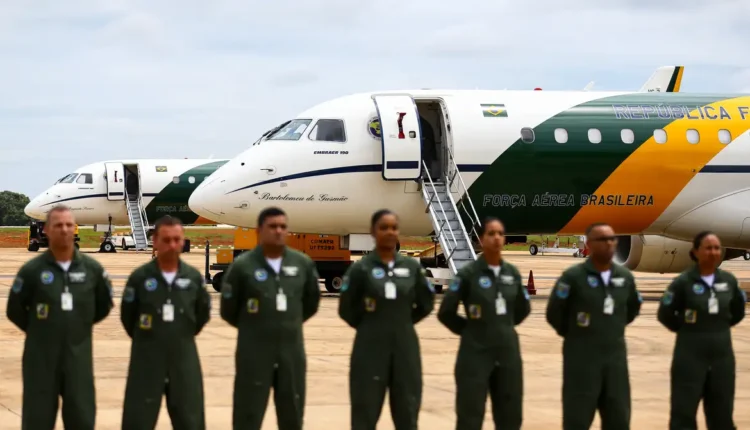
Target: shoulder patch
{"x":128,"y":295}
{"x":562,"y":290}
{"x":454,"y":285}
{"x":17,"y":285}
{"x":667,"y":298}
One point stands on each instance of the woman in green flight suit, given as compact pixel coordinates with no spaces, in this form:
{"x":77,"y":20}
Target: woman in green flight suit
{"x":489,"y":355}
{"x":384,"y":294}
{"x":701,"y":305}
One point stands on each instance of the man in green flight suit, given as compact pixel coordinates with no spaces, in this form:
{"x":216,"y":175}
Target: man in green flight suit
{"x":56,"y":299}
{"x":489,"y":355}
{"x":590,"y":306}
{"x":268,"y":293}
{"x":164,"y":306}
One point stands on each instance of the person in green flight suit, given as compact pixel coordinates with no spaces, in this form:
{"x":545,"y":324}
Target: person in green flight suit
{"x":55,"y":299}
{"x":268,"y":293}
{"x":701,"y":305}
{"x":383,"y":296}
{"x":489,"y":355}
{"x":164,"y":306}
{"x":589,"y":307}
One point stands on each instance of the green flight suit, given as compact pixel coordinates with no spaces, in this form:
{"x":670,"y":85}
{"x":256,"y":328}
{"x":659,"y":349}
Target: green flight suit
{"x":164,"y":358}
{"x":703,"y":364}
{"x":489,"y":355}
{"x":595,"y":360}
{"x":270,"y":341}
{"x":57,"y":356}
{"x":386,"y":351}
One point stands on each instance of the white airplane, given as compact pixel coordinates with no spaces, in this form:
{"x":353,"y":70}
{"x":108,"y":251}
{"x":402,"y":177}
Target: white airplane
{"x":658,"y":167}
{"x":128,"y":192}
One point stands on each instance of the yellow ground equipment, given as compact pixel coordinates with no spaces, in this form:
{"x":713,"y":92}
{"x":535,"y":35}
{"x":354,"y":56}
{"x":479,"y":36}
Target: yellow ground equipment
{"x":37,"y":239}
{"x":330,"y":258}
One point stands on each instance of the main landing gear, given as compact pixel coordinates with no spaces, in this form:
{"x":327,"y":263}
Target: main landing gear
{"x":107,"y":244}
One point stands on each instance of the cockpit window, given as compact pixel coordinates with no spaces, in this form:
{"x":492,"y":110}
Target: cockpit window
{"x":291,"y":131}
{"x":328,"y":130}
{"x":67,"y":179}
{"x":85,"y":178}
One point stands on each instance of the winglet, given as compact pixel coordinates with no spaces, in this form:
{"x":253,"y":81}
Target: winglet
{"x":666,"y":79}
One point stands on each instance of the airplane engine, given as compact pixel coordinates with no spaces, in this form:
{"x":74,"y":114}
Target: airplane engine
{"x":659,"y":254}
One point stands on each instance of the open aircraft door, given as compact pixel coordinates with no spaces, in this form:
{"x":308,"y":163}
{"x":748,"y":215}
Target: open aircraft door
{"x":400,"y":135}
{"x":115,"y":181}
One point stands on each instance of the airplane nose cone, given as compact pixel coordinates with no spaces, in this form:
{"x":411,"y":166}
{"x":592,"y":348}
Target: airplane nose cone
{"x":33,"y":210}
{"x":206,"y":202}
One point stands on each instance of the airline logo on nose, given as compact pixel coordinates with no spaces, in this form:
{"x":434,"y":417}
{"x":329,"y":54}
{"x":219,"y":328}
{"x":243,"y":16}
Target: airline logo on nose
{"x":494,"y":110}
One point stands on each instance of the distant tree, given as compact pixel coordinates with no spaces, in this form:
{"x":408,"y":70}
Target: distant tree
{"x":11,"y":208}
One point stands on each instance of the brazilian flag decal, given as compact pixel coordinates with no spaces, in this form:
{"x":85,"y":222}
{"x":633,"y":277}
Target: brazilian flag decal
{"x":496,"y":110}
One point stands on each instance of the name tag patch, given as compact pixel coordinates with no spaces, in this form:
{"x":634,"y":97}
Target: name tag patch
{"x":618,"y":282}
{"x":506,"y":279}
{"x":401,"y":272}
{"x":722,"y":286}
{"x":182,"y":283}
{"x":77,"y":277}
{"x":290,"y":270}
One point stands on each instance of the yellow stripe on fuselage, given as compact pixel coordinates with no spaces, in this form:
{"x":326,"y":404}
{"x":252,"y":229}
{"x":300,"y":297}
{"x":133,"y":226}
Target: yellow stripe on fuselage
{"x":658,"y":172}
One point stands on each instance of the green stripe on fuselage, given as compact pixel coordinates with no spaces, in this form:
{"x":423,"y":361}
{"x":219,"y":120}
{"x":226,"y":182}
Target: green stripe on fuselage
{"x":173,"y":199}
{"x":537,"y":187}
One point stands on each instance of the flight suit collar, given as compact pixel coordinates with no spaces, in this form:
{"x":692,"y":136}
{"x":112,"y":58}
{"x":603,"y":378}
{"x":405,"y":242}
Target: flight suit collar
{"x":153,"y":267}
{"x":374,"y":258}
{"x":695,"y":274}
{"x":50,"y":258}
{"x":257,"y":255}
{"x":484,"y":267}
{"x":589,"y":266}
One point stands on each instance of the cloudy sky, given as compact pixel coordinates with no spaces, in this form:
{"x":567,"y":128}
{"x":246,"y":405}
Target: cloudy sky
{"x":84,"y":81}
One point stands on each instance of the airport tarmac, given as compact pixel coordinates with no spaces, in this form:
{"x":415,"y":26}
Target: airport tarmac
{"x":328,"y":345}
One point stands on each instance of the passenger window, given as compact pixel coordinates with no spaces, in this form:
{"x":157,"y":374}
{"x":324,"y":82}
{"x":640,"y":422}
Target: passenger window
{"x":191,"y":179}
{"x":292,"y":131}
{"x":176,"y":180}
{"x":561,"y":135}
{"x":660,"y":136}
{"x":595,"y":136}
{"x":627,"y":136}
{"x":725,"y":136}
{"x":85,"y":178}
{"x":328,"y":130}
{"x":527,"y":135}
{"x":693,"y":136}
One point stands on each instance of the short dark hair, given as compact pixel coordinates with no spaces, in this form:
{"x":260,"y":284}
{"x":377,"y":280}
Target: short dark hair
{"x":591,"y":227}
{"x":167,"y":221}
{"x":379,"y":214}
{"x":697,"y":240}
{"x":483,"y":227}
{"x":56,"y":208}
{"x":269,"y":212}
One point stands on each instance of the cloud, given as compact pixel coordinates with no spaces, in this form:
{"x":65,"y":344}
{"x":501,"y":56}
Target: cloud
{"x":86,"y":80}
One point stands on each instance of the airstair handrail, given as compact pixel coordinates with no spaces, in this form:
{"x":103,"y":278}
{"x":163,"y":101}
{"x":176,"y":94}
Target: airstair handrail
{"x":461,"y":224}
{"x":475,"y":219}
{"x":445,"y":216}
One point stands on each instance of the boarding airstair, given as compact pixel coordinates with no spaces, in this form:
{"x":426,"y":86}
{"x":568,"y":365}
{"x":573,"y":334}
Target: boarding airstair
{"x":454,"y":239}
{"x":138,"y":220}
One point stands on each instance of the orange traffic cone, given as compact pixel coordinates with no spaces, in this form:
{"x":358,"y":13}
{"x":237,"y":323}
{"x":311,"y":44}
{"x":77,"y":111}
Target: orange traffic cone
{"x":530,"y":287}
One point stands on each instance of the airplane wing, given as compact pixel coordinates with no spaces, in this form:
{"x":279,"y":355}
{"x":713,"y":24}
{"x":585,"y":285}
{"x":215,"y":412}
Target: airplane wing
{"x":666,"y":79}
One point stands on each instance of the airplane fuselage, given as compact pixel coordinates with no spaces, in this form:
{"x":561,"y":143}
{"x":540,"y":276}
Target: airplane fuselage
{"x":165,"y":187}
{"x":542,"y":161}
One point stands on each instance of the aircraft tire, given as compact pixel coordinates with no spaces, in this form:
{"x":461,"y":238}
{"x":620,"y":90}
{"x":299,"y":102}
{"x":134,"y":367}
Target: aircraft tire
{"x":107,"y":246}
{"x":333,"y":283}
{"x":533,"y":249}
{"x":33,"y":247}
{"x":216,"y":282}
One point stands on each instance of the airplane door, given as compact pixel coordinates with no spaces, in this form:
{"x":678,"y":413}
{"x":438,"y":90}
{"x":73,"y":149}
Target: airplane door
{"x":115,"y":181}
{"x":400,"y":135}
